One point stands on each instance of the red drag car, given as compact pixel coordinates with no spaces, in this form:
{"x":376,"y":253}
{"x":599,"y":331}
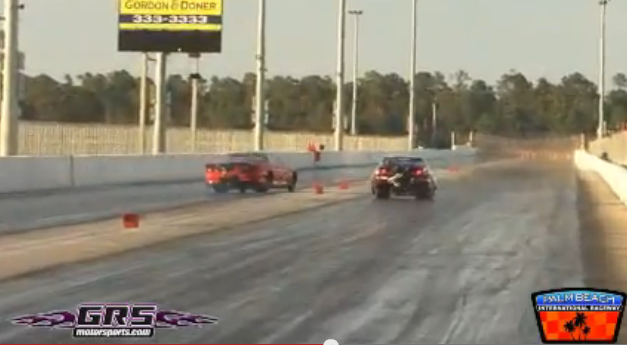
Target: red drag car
{"x":254,"y":171}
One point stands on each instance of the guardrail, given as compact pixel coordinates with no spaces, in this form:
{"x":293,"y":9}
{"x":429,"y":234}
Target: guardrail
{"x":26,"y":174}
{"x":614,"y":175}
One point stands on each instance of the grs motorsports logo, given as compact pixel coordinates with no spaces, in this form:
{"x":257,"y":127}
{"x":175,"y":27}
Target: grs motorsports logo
{"x":119,"y":320}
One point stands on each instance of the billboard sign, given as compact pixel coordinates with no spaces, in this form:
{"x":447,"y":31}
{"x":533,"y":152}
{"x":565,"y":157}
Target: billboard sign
{"x":188,"y":26}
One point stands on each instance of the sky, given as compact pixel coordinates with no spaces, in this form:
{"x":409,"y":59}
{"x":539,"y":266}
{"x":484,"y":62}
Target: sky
{"x":542,"y":38}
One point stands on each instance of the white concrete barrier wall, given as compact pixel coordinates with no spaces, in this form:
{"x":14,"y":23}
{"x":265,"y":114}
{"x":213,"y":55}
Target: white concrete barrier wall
{"x":107,"y":170}
{"x":34,"y":173}
{"x":614,"y":175}
{"x":27,"y":174}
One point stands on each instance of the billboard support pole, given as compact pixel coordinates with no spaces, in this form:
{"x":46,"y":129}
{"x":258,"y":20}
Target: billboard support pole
{"x":158,"y":139}
{"x":193,"y":123}
{"x":143,"y":103}
{"x":194,"y":114}
{"x":10,"y":109}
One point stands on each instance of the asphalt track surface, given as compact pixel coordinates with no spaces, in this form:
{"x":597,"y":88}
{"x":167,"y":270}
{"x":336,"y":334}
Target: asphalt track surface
{"x":459,"y":269}
{"x":38,"y":210}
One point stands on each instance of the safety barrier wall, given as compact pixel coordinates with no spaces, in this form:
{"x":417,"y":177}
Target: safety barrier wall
{"x":35,"y":173}
{"x":614,"y":146}
{"x":25,"y":174}
{"x":615,"y":175}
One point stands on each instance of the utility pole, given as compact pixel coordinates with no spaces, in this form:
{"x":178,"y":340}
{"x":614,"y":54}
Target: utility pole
{"x":339,"y":84}
{"x":195,"y":80}
{"x":261,"y":76}
{"x":434,"y":122}
{"x":10,"y":74}
{"x":602,"y":34}
{"x":158,"y":139}
{"x":411,"y":124}
{"x":143,"y":103}
{"x":357,"y":14}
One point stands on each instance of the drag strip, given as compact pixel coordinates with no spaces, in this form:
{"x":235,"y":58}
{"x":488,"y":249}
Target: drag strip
{"x":459,"y":269}
{"x":19,"y":213}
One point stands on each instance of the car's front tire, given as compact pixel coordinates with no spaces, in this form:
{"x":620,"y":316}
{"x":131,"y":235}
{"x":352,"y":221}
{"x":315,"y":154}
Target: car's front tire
{"x":220,"y":188}
{"x":261,"y":188}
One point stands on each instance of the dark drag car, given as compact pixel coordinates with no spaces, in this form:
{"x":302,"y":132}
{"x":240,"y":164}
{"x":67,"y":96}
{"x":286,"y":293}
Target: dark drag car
{"x":403,"y":176}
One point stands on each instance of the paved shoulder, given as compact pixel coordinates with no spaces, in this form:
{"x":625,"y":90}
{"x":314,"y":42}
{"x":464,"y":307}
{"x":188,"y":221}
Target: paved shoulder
{"x":603,"y":236}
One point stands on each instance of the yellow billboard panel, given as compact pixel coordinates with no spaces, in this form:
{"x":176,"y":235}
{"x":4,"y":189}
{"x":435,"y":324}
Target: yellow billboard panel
{"x":171,"y":27}
{"x":170,"y":15}
{"x":171,"y":7}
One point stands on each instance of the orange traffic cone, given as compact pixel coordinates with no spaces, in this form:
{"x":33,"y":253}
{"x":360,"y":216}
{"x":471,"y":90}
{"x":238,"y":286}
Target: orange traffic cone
{"x":318,"y":188}
{"x":453,"y":169}
{"x":130,"y":221}
{"x":343,"y":185}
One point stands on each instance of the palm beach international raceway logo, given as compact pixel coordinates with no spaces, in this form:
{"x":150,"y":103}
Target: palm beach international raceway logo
{"x":580,"y":315}
{"x":119,"y":320}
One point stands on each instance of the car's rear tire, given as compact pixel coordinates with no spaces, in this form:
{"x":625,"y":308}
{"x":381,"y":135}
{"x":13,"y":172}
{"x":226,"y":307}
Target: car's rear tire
{"x":262,"y":189}
{"x":431,"y":196}
{"x":266,"y":183}
{"x":269,"y":178}
{"x":426,"y":195}
{"x":382,"y":193}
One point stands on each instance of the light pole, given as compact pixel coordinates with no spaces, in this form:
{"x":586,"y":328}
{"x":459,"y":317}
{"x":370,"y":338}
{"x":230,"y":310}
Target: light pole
{"x":159,"y":127}
{"x":195,"y":80}
{"x":357,"y":14}
{"x":10,"y":70}
{"x":601,"y":127}
{"x":261,"y":76}
{"x":339,"y":103}
{"x":434,"y":122}
{"x":412,"y":75}
{"x":143,"y":102}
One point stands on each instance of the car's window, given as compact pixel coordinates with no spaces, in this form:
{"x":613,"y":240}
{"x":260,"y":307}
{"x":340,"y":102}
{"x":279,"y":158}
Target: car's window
{"x":406,"y":161}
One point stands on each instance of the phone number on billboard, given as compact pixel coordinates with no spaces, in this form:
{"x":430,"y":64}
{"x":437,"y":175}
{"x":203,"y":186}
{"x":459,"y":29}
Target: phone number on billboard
{"x":173,"y":19}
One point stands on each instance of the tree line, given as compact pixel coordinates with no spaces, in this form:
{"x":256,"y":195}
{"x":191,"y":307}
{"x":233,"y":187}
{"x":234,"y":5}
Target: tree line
{"x":515,"y":105}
